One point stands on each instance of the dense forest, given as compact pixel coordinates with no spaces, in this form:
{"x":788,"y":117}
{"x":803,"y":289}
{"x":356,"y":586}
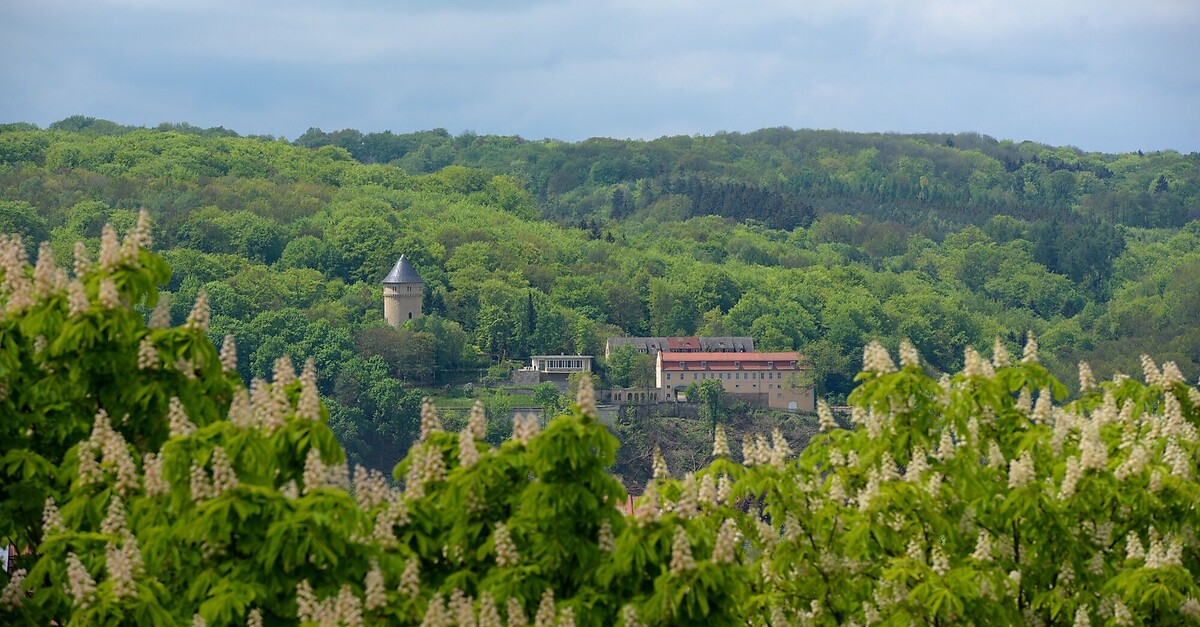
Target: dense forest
{"x":817,"y":241}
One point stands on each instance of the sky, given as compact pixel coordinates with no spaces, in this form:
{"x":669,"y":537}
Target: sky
{"x":1104,"y":75}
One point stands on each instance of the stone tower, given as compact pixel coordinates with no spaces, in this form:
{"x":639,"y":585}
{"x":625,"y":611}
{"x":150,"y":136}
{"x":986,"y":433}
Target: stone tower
{"x":403,"y":291}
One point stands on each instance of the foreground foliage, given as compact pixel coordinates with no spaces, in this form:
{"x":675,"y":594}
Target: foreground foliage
{"x":153,"y":488}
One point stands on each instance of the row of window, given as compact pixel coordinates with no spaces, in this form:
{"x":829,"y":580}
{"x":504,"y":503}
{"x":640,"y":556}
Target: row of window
{"x":736,"y":364}
{"x":683,"y":376}
{"x":561,"y":363}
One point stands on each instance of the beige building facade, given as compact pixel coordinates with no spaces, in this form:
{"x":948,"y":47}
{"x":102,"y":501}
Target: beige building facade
{"x":776,"y":378}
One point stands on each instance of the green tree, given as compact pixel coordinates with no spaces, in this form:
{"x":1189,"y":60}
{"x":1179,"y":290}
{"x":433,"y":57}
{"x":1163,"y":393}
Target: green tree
{"x":547,"y":396}
{"x":711,"y":395}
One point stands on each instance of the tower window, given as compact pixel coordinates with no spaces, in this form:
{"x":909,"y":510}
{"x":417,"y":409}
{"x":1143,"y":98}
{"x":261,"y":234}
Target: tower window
{"x":410,"y":315}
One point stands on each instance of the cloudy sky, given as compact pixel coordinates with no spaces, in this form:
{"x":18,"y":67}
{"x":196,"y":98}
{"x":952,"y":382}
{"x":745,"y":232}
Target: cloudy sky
{"x":1110,"y":75}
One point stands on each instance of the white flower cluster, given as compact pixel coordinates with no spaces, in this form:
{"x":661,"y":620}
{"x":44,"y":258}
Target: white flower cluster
{"x":109,"y":297}
{"x":198,"y":319}
{"x":13,"y":595}
{"x":114,"y":454}
{"x":1030,"y":355}
{"x":586,"y":396}
{"x":77,"y":300}
{"x":780,"y":449}
{"x":148,"y":354}
{"x":199,"y":485}
{"x":1160,"y":555}
{"x":545,"y":616}
{"x":489,"y":614}
{"x":435,"y":613}
{"x":708,"y":491}
{"x":283,"y":372}
{"x":724,"y":489}
{"x":1071,"y":476}
{"x":177,"y":419}
{"x":630,"y":618}
{"x":318,"y":474}
{"x":720,"y":443}
{"x":343,"y":609}
{"x":124,"y":565}
{"x":228,"y":354}
{"x":1021,"y":470}
{"x":52,"y":520}
{"x":825,"y":416}
{"x":267,"y":407}
{"x":506,"y":549}
{"x":728,"y":539}
{"x":689,"y":498}
{"x":1000,"y":356}
{"x":477,"y":421}
{"x":908,"y":354}
{"x":525,"y":427}
{"x":83,"y":264}
{"x":425,"y":465}
{"x":430,"y":422}
{"x":48,"y":278}
{"x":758,"y":451}
{"x":15,"y":283}
{"x":371,"y":489}
{"x":605,"y":539}
{"x":468,"y":452}
{"x":975,"y":365}
{"x":395,"y":514}
{"x":160,"y":318}
{"x":308,"y":407}
{"x":876,"y":359}
{"x":410,"y":580}
{"x":224,"y":476}
{"x":375,"y":587}
{"x":659,"y":467}
{"x":152,"y":477}
{"x":1087,"y":381}
{"x":681,"y":552}
{"x":80,"y":584}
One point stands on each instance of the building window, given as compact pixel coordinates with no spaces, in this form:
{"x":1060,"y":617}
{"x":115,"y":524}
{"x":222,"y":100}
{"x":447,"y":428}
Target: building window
{"x":410,"y":315}
{"x":668,"y":376}
{"x":737,"y":364}
{"x":681,"y":365}
{"x":704,"y":364}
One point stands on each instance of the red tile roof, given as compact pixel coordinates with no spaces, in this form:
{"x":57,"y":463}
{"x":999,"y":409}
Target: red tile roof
{"x":692,"y":343}
{"x":729,"y":361}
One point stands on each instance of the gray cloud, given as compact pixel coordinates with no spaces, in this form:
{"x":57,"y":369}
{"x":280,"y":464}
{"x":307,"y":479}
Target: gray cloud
{"x":1103,"y":75}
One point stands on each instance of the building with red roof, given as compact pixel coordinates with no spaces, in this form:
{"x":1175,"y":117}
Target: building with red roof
{"x":776,"y":380}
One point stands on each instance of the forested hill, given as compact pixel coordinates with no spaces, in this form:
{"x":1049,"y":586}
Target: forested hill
{"x":808,"y":240}
{"x":958,"y":178}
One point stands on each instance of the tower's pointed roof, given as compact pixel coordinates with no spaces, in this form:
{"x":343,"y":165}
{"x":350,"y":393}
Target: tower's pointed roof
{"x":402,"y":272}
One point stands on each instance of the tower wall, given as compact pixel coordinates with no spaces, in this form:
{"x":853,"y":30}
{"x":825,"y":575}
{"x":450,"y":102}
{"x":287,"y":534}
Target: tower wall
{"x":402,"y":302}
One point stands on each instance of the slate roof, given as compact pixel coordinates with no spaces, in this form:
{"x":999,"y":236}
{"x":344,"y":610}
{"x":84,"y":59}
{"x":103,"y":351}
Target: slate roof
{"x":402,"y":272}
